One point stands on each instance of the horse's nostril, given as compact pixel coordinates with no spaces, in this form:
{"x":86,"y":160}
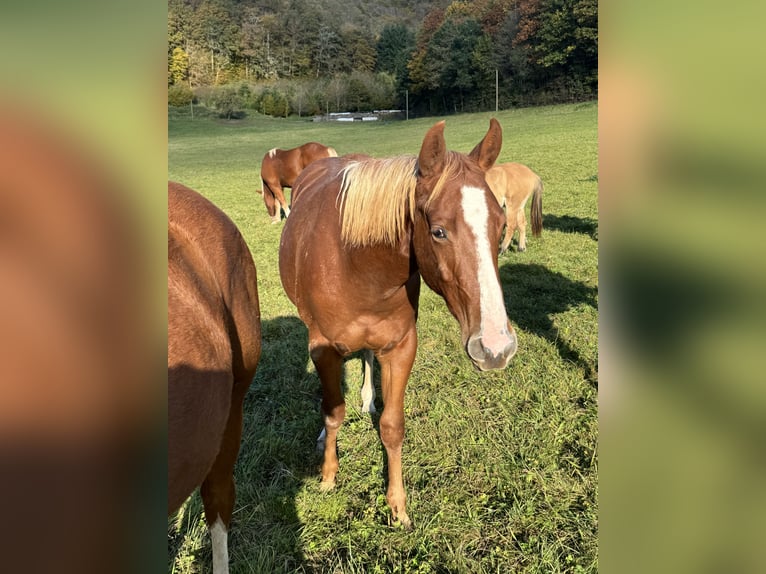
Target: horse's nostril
{"x":485,"y":357}
{"x":512,"y":346}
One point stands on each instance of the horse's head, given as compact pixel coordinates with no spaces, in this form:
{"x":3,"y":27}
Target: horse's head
{"x":458,"y":223}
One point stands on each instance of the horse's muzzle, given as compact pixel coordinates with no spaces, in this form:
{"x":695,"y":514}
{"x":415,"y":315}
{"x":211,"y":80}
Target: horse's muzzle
{"x":492,"y":353}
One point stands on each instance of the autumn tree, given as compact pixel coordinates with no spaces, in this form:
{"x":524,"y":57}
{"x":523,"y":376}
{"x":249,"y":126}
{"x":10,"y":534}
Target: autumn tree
{"x":444,"y":53}
{"x":356,"y":50}
{"x":178,"y":69}
{"x":214,"y":29}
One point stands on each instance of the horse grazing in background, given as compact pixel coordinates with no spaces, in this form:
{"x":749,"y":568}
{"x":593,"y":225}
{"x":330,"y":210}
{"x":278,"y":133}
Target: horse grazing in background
{"x":214,"y":344}
{"x":361,"y":235}
{"x":279,"y":169}
{"x":513,"y":184}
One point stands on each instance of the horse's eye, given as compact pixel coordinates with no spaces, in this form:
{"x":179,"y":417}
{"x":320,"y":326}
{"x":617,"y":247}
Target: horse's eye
{"x":439,"y":233}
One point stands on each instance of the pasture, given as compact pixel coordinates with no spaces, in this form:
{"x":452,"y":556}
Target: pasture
{"x":500,"y":467}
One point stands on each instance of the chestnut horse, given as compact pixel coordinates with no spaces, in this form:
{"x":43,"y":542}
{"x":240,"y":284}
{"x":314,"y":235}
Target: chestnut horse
{"x":279,"y":169}
{"x":513,"y":184}
{"x":214,"y":343}
{"x":361,"y":235}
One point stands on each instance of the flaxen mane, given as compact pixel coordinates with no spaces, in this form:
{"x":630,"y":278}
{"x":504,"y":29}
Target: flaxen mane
{"x":377,"y":197}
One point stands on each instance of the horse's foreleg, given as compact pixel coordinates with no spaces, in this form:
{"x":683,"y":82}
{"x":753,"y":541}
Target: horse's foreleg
{"x":368,"y":388}
{"x":510,"y":227}
{"x":395,"y":367}
{"x":270,"y":199}
{"x":279,"y":193}
{"x":329,"y":365}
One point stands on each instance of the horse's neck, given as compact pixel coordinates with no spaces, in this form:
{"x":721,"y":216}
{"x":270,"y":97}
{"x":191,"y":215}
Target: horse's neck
{"x":390,"y":267}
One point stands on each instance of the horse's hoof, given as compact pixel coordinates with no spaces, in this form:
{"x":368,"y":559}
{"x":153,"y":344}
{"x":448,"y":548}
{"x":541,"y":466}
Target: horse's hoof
{"x":326,"y":486}
{"x":403,"y":520}
{"x":369,"y":409}
{"x":521,"y":249}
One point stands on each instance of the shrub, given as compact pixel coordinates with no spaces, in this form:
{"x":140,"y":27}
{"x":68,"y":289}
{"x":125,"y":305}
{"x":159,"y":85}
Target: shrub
{"x":274,"y":103}
{"x":180,"y":95}
{"x":228,"y":102}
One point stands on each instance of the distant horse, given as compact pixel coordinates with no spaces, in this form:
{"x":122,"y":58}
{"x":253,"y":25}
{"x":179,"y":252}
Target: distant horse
{"x":362,"y":233}
{"x":279,"y":169}
{"x":214,"y":344}
{"x":513,"y":184}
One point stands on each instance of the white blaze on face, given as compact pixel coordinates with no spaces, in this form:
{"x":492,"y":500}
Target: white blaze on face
{"x":493,"y":318}
{"x":219,"y":538}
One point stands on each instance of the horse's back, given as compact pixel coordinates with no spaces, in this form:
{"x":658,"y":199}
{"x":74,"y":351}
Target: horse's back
{"x":221,"y":270}
{"x":285,"y":165}
{"x":312,"y":151}
{"x":213,"y":334}
{"x":514,"y":181}
{"x":310,"y":225}
{"x":497,"y":182}
{"x":316,"y":176}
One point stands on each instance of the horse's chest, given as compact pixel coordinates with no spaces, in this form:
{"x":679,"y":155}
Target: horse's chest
{"x":365,"y":331}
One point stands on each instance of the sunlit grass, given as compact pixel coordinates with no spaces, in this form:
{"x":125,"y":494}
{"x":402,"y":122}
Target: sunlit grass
{"x":500,"y":468}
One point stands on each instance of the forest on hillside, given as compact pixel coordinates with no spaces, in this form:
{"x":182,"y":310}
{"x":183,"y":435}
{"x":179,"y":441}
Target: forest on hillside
{"x":308,"y":57}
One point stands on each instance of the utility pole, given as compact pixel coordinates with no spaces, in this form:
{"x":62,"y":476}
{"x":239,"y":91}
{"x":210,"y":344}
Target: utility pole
{"x":496,"y":91}
{"x":407,"y":105}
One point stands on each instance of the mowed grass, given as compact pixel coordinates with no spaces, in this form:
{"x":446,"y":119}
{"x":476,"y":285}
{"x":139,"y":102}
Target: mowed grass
{"x":501,"y":467}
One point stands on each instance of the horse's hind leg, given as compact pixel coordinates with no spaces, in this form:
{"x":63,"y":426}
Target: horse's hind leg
{"x":329,"y":365}
{"x":218,"y":491}
{"x":368,"y":388}
{"x":521,"y":223}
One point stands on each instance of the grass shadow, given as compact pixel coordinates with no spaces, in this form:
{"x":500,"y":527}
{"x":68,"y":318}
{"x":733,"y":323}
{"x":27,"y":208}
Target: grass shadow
{"x":276,"y":456}
{"x":533,"y":294}
{"x":569,"y":224}
{"x":277,"y":453}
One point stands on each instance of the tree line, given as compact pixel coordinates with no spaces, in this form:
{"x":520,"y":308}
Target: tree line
{"x":308,"y":57}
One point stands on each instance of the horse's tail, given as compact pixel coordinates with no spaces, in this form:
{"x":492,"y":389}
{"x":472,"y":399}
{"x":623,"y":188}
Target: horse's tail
{"x":536,"y":210}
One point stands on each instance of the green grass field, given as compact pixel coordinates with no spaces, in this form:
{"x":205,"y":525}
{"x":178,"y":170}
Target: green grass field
{"x":500,"y":468}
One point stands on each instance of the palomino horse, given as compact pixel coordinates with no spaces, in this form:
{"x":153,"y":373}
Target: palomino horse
{"x":362,"y":233}
{"x":279,"y":169}
{"x":214,"y":343}
{"x":512,"y":184}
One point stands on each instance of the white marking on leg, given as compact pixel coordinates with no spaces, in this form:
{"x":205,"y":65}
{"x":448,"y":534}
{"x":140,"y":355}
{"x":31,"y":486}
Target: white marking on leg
{"x":220,"y":539}
{"x":494,"y":320}
{"x":368,"y":389}
{"x":321,"y":440}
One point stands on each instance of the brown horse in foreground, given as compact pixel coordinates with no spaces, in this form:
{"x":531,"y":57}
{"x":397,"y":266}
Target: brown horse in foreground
{"x":279,"y":169}
{"x":361,"y":234}
{"x":214,"y":343}
{"x":513,"y":184}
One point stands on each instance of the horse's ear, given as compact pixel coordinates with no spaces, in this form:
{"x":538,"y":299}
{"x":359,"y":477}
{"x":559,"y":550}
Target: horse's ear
{"x":432,"y":152}
{"x":487,"y":150}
